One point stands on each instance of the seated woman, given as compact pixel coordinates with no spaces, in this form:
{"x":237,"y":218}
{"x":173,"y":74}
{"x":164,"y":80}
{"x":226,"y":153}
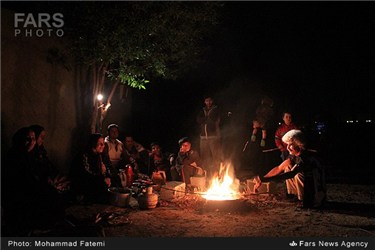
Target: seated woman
{"x":29,"y":202}
{"x":46,"y":170}
{"x":92,"y":173}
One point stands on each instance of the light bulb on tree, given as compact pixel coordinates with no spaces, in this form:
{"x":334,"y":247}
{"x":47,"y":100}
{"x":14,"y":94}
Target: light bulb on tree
{"x":99,"y":97}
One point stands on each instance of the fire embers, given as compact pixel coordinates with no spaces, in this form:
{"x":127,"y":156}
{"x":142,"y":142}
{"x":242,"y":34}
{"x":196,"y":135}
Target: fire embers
{"x":232,"y":206}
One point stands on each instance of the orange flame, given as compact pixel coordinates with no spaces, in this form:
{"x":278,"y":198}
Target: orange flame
{"x":224,"y":186}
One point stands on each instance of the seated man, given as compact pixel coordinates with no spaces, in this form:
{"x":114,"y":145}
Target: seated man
{"x":303,"y":172}
{"x":113,"y":146}
{"x":135,"y":155}
{"x":159,"y":160}
{"x":188,"y":163}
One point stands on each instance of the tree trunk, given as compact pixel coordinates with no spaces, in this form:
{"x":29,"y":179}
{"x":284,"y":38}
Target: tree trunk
{"x":98,"y":78}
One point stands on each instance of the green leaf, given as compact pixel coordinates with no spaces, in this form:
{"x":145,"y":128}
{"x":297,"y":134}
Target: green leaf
{"x":135,"y":39}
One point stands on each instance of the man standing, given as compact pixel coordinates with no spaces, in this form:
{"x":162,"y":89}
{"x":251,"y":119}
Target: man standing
{"x":210,"y":138}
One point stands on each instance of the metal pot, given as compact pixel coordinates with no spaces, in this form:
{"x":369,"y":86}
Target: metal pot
{"x":119,"y":197}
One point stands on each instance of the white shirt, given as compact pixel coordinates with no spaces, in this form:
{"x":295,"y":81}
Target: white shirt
{"x":115,"y":150}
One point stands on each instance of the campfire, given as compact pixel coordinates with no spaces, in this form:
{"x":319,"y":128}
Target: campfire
{"x":224,"y":186}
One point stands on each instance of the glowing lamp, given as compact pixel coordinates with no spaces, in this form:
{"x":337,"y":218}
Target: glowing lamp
{"x":99,"y":97}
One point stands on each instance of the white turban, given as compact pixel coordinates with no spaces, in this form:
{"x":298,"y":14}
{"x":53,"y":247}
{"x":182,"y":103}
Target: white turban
{"x":295,"y":136}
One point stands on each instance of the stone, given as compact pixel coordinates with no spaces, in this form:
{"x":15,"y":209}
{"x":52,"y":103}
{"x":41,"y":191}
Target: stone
{"x":265,"y":187}
{"x":172,"y":190}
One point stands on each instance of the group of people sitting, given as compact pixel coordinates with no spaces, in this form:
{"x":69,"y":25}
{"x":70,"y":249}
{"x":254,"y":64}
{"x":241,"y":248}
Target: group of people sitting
{"x":105,"y":157}
{"x":35,"y":193}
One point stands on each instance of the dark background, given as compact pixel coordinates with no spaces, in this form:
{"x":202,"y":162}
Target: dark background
{"x":314,"y":58}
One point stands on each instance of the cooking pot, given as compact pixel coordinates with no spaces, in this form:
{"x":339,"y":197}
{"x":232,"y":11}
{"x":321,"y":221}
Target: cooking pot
{"x":119,"y":197}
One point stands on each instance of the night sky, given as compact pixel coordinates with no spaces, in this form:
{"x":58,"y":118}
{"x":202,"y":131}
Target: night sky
{"x":315,"y":58}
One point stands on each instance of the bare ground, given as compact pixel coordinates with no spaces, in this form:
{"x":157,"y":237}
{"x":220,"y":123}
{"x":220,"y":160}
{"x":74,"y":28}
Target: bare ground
{"x":349,"y":212}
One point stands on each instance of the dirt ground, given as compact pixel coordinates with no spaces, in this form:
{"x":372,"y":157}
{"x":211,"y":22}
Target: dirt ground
{"x":349,"y":212}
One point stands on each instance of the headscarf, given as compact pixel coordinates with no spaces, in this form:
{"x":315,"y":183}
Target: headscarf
{"x":21,"y":139}
{"x":295,"y":136}
{"x":93,"y":140}
{"x":37,"y":130}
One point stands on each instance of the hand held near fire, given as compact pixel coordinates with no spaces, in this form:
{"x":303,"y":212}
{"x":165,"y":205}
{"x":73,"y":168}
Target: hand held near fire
{"x":60,"y":183}
{"x":257,"y":183}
